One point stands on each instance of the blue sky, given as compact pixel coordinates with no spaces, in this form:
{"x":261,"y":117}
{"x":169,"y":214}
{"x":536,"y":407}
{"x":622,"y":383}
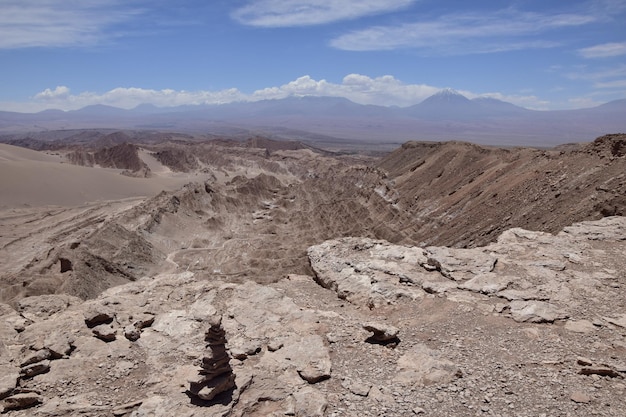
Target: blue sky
{"x":548,"y":54}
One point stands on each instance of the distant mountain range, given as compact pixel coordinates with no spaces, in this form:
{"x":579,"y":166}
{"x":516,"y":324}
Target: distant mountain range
{"x":446,"y":115}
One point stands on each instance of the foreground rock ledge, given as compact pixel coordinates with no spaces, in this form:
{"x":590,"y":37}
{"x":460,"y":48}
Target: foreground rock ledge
{"x":528,"y":276}
{"x":294,"y":348}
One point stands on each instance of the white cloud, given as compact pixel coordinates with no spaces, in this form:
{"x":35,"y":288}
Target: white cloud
{"x":463,"y":33}
{"x":286,"y":13}
{"x":604,"y":50}
{"x":32,"y":23}
{"x":128,"y":98}
{"x":385,"y":90}
{"x":48,"y":94}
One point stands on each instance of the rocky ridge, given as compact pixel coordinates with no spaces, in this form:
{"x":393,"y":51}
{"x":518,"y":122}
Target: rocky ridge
{"x":123,"y":156}
{"x":465,"y":195}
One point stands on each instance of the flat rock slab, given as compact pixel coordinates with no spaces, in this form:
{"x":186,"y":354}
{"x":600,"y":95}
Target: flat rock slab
{"x":618,"y":321}
{"x":580,"y":326}
{"x":305,"y":354}
{"x":580,"y":397}
{"x":43,"y":306}
{"x":535,"y":312}
{"x":489,"y":283}
{"x":9,"y":375}
{"x":309,"y":402}
{"x":423,"y":366}
{"x":460,"y":264}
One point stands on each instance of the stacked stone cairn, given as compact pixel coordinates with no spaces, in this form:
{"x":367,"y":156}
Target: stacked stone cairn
{"x":216,"y":376}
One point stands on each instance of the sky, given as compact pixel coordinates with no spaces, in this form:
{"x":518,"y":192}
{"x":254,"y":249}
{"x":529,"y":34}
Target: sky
{"x":539,"y":54}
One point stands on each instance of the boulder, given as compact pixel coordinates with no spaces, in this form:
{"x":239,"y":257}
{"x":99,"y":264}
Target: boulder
{"x":21,"y":401}
{"x":383,"y":333}
{"x":132,"y":333}
{"x":38,"y":368}
{"x":35,"y":357}
{"x":60,"y":344}
{"x":104,"y":332}
{"x":96,"y":314}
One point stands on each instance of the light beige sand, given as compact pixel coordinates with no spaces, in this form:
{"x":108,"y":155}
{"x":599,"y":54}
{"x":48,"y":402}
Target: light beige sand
{"x":155,"y":166}
{"x":31,"y":178}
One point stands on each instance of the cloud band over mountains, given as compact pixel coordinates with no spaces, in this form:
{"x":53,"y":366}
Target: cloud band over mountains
{"x":386,"y":90}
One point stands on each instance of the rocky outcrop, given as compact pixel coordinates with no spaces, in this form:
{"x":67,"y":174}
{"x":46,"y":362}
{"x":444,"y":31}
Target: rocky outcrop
{"x":122,"y":156}
{"x":528,"y":276}
{"x":143,"y":373}
{"x":178,"y":160}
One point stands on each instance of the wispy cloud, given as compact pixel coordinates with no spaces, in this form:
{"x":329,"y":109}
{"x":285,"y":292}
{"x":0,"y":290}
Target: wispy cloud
{"x":596,"y":74}
{"x":289,"y":13}
{"x":607,"y":78}
{"x":604,"y":50}
{"x":464,"y":33}
{"x":53,"y":23}
{"x":611,"y":84}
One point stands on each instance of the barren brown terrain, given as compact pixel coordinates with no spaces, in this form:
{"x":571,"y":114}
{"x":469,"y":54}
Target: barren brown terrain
{"x":160,"y":274}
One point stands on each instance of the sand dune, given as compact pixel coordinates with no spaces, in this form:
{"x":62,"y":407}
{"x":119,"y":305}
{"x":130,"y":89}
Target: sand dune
{"x":155,"y":166}
{"x":34,"y":178}
{"x":9,"y":153}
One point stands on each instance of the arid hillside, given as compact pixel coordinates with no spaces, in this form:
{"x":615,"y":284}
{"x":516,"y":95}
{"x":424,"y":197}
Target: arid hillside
{"x":465,"y":195}
{"x":286,"y":256}
{"x":254,"y":212}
